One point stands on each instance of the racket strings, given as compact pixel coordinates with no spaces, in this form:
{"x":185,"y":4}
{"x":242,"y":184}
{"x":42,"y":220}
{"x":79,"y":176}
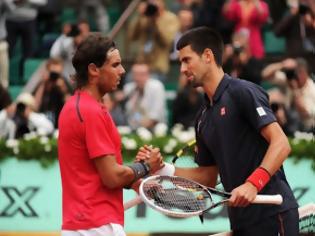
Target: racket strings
{"x":178,"y":197}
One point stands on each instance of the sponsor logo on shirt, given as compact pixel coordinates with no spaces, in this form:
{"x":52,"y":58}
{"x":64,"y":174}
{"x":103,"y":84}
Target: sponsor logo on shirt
{"x":222,"y":111}
{"x":261,"y":111}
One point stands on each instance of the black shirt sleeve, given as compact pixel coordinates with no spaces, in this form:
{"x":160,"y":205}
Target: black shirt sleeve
{"x":254,"y":105}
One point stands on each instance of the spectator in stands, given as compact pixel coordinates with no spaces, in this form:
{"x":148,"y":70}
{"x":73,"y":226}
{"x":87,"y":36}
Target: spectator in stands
{"x":48,"y":17}
{"x":115,"y":109}
{"x":145,"y":98}
{"x":52,"y":91}
{"x":250,"y":14}
{"x":298,"y":27}
{"x":186,"y":21}
{"x":27,"y":120}
{"x":298,"y":88}
{"x":154,"y":29}
{"x":97,"y":10}
{"x":285,"y":118}
{"x":186,"y":104}
{"x":238,"y":60}
{"x":21,"y":23}
{"x":65,"y":46}
{"x":5,"y":7}
{"x":5,"y":98}
{"x":7,"y":110}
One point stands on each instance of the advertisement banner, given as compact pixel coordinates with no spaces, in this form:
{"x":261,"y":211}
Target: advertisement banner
{"x":30,"y":200}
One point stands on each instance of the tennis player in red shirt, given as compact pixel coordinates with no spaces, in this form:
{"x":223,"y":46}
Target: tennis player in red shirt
{"x":89,"y":147}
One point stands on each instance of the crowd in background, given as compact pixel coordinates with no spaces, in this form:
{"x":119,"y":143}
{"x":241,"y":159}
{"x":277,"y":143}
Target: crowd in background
{"x":152,"y":33}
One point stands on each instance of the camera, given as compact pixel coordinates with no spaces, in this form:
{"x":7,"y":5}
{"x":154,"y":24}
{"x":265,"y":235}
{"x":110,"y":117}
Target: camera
{"x":53,"y":76}
{"x":151,"y":10}
{"x":237,"y":49}
{"x":74,"y":31}
{"x":290,"y":74}
{"x":275,"y":106}
{"x":303,"y":9}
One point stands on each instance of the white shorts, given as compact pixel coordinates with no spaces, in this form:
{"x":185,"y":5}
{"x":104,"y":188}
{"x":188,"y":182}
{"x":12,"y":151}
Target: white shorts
{"x":105,"y":230}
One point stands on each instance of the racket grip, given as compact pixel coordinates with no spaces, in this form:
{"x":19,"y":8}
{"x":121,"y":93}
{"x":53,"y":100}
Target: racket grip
{"x":168,"y":170}
{"x":133,"y":202}
{"x":269,"y":199}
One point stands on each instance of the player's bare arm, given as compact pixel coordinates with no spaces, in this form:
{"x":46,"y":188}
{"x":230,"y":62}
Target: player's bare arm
{"x":206,"y":175}
{"x":114,"y":175}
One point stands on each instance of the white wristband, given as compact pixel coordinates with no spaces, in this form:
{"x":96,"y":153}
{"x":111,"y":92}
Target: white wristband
{"x":168,"y":170}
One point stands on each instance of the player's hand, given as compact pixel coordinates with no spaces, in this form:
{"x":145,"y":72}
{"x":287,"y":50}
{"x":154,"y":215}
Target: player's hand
{"x":155,"y":160}
{"x":243,"y":195}
{"x":143,"y":153}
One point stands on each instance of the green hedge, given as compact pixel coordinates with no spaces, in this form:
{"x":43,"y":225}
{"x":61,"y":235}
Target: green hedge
{"x":44,"y":149}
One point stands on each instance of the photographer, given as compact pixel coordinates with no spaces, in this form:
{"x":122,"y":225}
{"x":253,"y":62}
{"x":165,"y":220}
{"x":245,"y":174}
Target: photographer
{"x":7,"y":110}
{"x":66,"y":44}
{"x":27,"y":120}
{"x":293,"y":78}
{"x":298,"y":27}
{"x":154,"y":29}
{"x":238,"y":61}
{"x":21,"y":24}
{"x":52,"y":91}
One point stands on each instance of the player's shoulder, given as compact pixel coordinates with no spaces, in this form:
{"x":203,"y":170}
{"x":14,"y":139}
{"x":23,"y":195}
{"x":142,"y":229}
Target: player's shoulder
{"x":239,"y":86}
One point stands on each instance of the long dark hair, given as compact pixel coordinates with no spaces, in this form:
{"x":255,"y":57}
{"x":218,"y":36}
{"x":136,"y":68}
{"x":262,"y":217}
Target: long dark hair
{"x":93,"y":49}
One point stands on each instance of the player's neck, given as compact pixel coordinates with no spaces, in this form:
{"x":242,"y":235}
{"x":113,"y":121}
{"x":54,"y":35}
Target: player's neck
{"x":93,"y":92}
{"x":213,"y":81}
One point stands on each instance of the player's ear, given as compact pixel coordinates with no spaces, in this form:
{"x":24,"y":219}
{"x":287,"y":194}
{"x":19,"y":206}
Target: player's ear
{"x":93,"y":70}
{"x":208,"y":55}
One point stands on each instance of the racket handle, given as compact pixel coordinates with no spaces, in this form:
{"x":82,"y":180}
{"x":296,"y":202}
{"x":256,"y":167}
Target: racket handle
{"x":133,"y":202}
{"x":168,"y":169}
{"x":269,"y":199}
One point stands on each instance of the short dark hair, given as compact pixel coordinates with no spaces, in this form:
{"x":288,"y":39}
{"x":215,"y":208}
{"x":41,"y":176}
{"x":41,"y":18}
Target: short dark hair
{"x":201,"y":38}
{"x":93,"y":49}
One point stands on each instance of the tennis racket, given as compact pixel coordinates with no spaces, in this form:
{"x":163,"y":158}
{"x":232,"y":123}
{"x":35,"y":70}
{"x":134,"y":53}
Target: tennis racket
{"x":184,"y":158}
{"x":180,"y":197}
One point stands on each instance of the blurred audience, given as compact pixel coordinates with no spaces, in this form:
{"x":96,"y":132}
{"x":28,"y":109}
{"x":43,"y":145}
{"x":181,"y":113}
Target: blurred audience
{"x":145,"y":98}
{"x":293,"y":78}
{"x":21,"y":24}
{"x":186,"y":104}
{"x":96,"y":9}
{"x":7,"y":110}
{"x":115,"y":108}
{"x":27,"y":120}
{"x":154,"y":28}
{"x":252,"y":15}
{"x":238,"y":60}
{"x":186,"y":21}
{"x":48,"y":17}
{"x":52,"y":90}
{"x":6,"y":6}
{"x":297,"y":25}
{"x":65,"y":46}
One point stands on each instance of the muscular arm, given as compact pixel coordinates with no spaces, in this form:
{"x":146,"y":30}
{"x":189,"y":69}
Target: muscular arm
{"x":206,"y":175}
{"x":112,"y":174}
{"x":278,"y":150}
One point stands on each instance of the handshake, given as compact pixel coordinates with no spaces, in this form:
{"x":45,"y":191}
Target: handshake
{"x":152,"y":157}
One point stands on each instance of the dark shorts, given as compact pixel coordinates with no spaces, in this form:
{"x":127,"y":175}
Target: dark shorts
{"x":283,"y":224}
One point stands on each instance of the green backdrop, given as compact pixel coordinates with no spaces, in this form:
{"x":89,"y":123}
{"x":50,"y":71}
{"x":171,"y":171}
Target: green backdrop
{"x":30,"y":200}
